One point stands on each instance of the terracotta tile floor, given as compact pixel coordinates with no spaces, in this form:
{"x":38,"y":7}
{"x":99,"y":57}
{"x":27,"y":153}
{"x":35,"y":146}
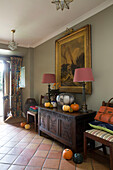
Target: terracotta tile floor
{"x":24,"y":149}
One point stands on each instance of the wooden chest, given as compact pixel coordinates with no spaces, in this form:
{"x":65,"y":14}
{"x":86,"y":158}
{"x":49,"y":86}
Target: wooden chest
{"x":65,"y":127}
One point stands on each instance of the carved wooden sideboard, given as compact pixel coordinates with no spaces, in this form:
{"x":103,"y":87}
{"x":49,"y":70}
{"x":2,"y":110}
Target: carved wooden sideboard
{"x":65,"y":127}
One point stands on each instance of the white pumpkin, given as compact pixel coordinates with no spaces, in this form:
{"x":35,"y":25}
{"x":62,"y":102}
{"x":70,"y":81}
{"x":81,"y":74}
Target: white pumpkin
{"x":65,"y":108}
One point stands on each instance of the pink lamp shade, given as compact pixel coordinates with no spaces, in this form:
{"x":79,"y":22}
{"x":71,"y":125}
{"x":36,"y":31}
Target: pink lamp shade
{"x":83,"y":75}
{"x":49,"y":78}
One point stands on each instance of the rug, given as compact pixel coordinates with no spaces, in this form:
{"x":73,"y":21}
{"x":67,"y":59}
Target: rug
{"x":15,"y":120}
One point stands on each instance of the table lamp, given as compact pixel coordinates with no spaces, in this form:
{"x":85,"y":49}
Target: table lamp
{"x":49,"y":78}
{"x":83,"y":75}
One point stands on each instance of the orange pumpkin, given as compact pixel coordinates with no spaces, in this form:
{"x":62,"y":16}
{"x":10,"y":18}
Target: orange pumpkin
{"x":23,"y":124}
{"x":67,"y":154}
{"x":75,"y":107}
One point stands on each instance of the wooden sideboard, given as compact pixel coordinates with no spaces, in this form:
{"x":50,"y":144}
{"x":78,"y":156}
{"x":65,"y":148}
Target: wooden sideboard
{"x":65,"y":127}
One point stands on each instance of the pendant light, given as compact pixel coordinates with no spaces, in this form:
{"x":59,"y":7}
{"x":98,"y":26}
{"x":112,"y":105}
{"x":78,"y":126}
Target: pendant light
{"x":12,"y":44}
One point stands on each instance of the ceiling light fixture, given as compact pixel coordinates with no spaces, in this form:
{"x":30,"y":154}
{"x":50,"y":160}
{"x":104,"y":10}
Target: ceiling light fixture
{"x":12,"y":44}
{"x":61,"y":4}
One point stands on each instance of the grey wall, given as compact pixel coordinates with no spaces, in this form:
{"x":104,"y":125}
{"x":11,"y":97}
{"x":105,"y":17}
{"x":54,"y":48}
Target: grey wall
{"x":102,"y":59}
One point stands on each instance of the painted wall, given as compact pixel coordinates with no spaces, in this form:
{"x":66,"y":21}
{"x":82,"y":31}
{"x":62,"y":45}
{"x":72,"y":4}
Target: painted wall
{"x":102,"y":59}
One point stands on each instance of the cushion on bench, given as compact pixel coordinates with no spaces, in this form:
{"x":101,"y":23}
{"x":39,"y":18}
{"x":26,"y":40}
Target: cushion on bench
{"x":102,"y":126}
{"x":33,"y":108}
{"x":101,"y":134}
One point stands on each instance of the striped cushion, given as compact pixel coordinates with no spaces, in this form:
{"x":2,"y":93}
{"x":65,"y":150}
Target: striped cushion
{"x":101,"y":134}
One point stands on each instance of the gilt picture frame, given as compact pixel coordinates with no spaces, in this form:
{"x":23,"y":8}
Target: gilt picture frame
{"x":73,"y":51}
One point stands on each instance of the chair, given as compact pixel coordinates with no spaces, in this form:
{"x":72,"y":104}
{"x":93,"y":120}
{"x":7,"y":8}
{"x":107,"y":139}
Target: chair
{"x":29,"y":102}
{"x":43,"y":99}
{"x":105,"y":138}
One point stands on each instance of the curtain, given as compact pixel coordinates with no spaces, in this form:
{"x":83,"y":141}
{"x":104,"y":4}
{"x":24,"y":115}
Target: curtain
{"x":16,"y":101}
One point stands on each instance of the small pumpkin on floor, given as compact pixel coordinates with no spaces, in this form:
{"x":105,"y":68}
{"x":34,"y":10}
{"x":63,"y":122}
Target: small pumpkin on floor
{"x":67,"y":154}
{"x":27,"y":126}
{"x":22,"y":124}
{"x":77,"y":158}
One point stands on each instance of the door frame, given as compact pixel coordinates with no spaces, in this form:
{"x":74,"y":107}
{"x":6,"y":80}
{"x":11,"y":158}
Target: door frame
{"x":6,"y":89}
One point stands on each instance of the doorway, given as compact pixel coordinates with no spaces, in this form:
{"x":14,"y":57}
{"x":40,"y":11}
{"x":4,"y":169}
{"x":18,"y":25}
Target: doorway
{"x":1,"y":88}
{"x":5,"y":89}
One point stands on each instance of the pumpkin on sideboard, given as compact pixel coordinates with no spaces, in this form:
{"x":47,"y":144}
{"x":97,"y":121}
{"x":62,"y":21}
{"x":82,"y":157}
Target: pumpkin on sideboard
{"x":75,"y":107}
{"x":67,"y":154}
{"x":47,"y":104}
{"x":65,"y":108}
{"x":22,"y":124}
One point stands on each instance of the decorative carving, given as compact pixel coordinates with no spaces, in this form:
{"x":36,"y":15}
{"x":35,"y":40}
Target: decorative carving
{"x":66,"y":130}
{"x":53,"y":124}
{"x":67,"y":118}
{"x":43,"y":120}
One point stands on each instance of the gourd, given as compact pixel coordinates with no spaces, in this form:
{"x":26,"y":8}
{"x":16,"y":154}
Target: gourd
{"x":75,"y":107}
{"x":65,"y":108}
{"x":47,"y":104}
{"x":27,"y":126}
{"x":67,"y":154}
{"x":51,"y":106}
{"x":22,"y":124}
{"x":70,"y":110}
{"x":77,"y":158}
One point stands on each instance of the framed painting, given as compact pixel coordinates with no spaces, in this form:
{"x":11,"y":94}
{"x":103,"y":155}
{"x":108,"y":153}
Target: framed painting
{"x":73,"y":51}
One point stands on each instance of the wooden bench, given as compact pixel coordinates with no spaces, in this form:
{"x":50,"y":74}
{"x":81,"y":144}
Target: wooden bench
{"x":105,"y":138}
{"x":102,"y":137}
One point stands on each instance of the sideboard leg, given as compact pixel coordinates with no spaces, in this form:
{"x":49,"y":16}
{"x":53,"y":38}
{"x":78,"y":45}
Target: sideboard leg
{"x":39,"y":132}
{"x":85,"y":146}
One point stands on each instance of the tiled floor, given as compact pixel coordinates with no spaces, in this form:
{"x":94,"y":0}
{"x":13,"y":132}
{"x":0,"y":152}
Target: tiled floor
{"x":24,"y":149}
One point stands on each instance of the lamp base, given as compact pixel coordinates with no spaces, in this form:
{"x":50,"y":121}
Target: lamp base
{"x":49,"y":92}
{"x":84,"y":108}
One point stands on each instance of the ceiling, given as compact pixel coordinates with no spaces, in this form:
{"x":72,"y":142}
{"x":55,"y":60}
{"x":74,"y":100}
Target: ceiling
{"x":36,"y":21}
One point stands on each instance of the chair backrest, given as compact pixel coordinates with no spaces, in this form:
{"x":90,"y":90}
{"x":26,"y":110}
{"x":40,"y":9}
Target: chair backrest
{"x":43,"y":99}
{"x":29,"y":102}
